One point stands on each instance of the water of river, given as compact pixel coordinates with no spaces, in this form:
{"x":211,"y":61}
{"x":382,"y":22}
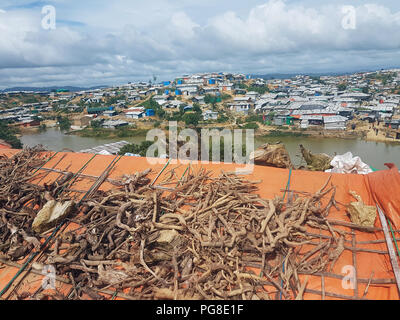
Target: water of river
{"x":54,"y":139}
{"x":373,"y":153}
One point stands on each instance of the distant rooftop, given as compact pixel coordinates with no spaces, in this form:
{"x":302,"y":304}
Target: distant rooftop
{"x":107,"y":149}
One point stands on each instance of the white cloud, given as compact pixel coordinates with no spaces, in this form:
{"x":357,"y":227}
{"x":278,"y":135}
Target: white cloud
{"x":126,"y":42}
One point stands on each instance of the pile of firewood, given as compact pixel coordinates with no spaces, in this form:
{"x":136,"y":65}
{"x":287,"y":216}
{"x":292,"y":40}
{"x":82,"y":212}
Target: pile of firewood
{"x":199,"y":239}
{"x":21,"y":198}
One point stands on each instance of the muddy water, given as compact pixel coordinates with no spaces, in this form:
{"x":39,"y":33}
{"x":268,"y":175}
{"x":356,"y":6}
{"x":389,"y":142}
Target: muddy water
{"x":54,"y":139}
{"x":373,"y":153}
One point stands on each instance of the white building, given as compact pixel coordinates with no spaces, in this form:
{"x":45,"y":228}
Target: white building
{"x":241,"y":107}
{"x":112,"y":124}
{"x":335,"y":123}
{"x":134,"y":115}
{"x":210,"y":115}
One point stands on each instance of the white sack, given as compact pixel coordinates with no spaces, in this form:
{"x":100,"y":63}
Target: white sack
{"x":346,"y":163}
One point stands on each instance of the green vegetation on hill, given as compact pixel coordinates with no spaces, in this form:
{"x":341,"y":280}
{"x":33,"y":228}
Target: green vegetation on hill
{"x":8,"y":134}
{"x":222,"y":117}
{"x":384,"y":77}
{"x":192,"y":118}
{"x":140,"y":149}
{"x":152,"y":104}
{"x":251,"y":125}
{"x":259,"y":89}
{"x":114,"y":100}
{"x":255,"y":118}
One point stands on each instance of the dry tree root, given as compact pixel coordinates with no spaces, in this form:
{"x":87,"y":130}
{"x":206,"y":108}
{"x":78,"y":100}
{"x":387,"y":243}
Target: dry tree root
{"x":197,"y":241}
{"x":20,"y":200}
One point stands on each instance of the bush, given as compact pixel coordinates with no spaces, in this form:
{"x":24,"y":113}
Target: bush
{"x":222,"y":118}
{"x":251,"y":125}
{"x":225,"y":96}
{"x":42,"y":127}
{"x":64,"y":123}
{"x":191,"y":119}
{"x":255,"y":118}
{"x":136,"y":148}
{"x":210,"y":99}
{"x":96,"y":124}
{"x":9,"y":135}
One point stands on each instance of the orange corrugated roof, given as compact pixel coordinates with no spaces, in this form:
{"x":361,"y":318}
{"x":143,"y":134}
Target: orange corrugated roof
{"x":273,"y":181}
{"x":4,"y":145}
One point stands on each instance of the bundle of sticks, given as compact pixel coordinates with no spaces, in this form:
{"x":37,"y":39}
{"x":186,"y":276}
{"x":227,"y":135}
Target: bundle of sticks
{"x":21,"y":198}
{"x":206,"y":238}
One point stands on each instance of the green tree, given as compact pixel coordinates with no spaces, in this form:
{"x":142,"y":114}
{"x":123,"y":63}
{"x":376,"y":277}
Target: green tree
{"x":197,"y":108}
{"x":365,"y":90}
{"x":140,"y":149}
{"x":96,"y":124}
{"x":8,"y":134}
{"x":158,"y":110}
{"x":42,"y":127}
{"x":210,"y":99}
{"x":64,"y":123}
{"x":225,"y":96}
{"x":182,"y":109}
{"x":222,"y":118}
{"x":191,"y":119}
{"x":251,"y":125}
{"x":150,"y":104}
{"x":255,"y":118}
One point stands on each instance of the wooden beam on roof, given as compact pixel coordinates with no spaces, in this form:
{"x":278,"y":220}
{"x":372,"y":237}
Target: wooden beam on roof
{"x":392,"y":252}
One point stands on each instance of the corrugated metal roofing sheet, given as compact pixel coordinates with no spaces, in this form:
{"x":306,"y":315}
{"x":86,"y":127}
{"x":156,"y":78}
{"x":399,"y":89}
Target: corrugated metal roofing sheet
{"x":371,"y":255}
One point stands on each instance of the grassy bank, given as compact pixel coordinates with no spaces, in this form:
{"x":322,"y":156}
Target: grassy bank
{"x":280,"y":133}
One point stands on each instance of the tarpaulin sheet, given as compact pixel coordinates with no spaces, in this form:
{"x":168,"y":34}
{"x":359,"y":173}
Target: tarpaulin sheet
{"x":385,"y":190}
{"x":370,"y":259}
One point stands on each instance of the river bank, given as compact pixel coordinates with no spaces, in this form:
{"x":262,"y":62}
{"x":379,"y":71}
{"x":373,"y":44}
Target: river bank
{"x":108,"y":133}
{"x":383,"y":134}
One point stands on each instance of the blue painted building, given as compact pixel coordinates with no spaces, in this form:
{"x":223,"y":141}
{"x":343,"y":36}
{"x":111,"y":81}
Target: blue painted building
{"x":166,"y":92}
{"x":167,"y":83}
{"x":211,"y":81}
{"x":178,"y":92}
{"x":180,"y":81}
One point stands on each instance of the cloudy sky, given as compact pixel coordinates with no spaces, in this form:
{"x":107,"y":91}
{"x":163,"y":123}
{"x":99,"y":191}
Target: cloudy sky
{"x":99,"y":42}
